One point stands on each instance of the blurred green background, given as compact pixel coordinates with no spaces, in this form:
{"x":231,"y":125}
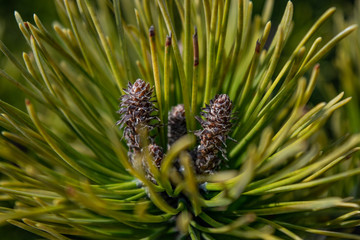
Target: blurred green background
{"x":306,"y":12}
{"x":13,"y":39}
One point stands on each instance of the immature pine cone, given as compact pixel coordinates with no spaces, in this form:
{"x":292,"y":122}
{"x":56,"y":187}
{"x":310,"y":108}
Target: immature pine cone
{"x":216,"y":127}
{"x":157,"y":154}
{"x":136,"y":110}
{"x":176,"y":124}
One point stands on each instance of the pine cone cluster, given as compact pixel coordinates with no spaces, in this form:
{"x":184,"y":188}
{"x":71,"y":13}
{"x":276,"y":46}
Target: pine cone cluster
{"x":176,"y":124}
{"x":216,"y":127}
{"x":137,"y":111}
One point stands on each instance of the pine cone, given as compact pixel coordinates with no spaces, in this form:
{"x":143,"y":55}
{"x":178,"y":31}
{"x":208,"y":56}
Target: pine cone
{"x":157,"y":154}
{"x":216,"y":127}
{"x":136,"y":110}
{"x":176,"y":124}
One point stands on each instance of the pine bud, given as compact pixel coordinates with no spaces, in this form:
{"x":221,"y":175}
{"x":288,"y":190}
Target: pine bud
{"x":176,"y":124}
{"x":216,"y":126}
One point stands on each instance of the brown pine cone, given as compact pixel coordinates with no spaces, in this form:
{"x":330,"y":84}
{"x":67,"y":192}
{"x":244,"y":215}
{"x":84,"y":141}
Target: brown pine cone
{"x":157,"y":154}
{"x":136,"y":110}
{"x":216,"y":127}
{"x":176,"y":124}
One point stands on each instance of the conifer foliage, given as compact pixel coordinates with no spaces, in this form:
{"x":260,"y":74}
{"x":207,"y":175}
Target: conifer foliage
{"x":68,"y":173}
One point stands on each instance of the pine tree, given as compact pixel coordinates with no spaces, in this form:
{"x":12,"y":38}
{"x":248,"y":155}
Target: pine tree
{"x":69,"y":173}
